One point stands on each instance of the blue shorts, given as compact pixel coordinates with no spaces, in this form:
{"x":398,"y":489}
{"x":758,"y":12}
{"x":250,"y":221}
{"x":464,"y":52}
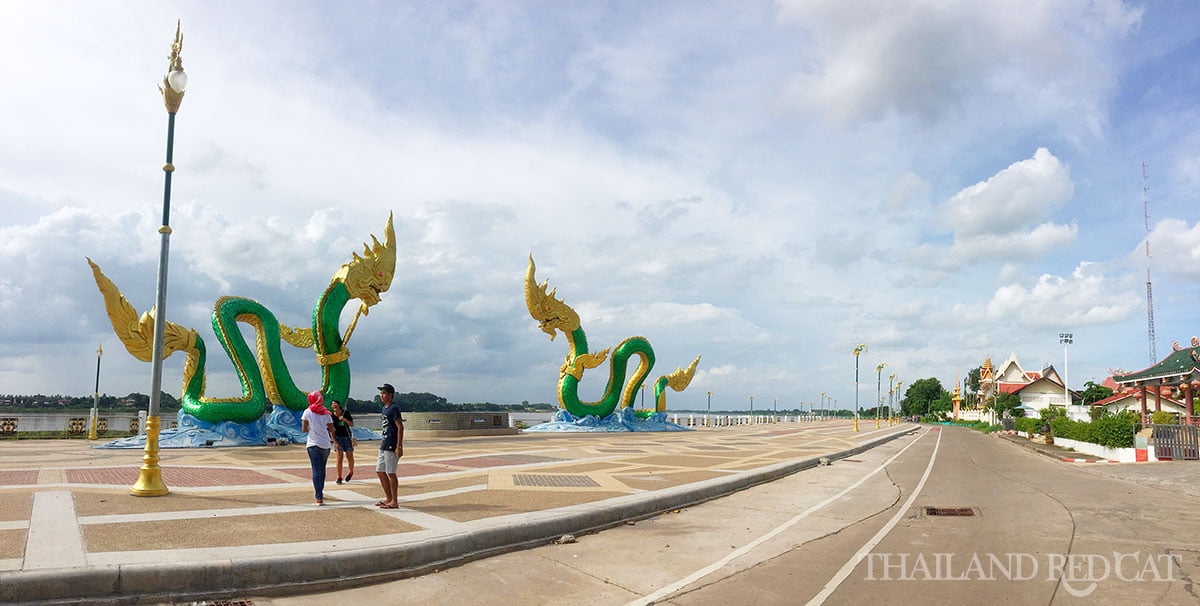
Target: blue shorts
{"x":345,"y":443}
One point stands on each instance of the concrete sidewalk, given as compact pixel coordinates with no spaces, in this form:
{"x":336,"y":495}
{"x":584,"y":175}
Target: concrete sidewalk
{"x":1052,"y":451}
{"x":243,"y":519}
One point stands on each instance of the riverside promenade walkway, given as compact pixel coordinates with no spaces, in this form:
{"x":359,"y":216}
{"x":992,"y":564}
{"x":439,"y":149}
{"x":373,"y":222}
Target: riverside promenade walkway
{"x":244,"y":519}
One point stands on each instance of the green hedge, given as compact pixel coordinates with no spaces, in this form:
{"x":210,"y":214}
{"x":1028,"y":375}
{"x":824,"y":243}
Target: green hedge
{"x":1116,"y":431}
{"x":1163,"y":417}
{"x":1027,"y":425}
{"x":1113,"y":431}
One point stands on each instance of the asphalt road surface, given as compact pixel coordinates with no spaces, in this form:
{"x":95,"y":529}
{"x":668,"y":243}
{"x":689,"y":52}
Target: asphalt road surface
{"x":1039,"y":531}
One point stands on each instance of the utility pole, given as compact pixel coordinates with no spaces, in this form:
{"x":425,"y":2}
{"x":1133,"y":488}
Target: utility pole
{"x":1149,"y":287}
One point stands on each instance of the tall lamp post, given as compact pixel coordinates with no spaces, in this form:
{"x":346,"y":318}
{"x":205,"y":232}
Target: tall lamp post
{"x":149,"y":482}
{"x":891,"y":395}
{"x":878,"y":390}
{"x":860,"y":349}
{"x":1066,"y":339}
{"x":96,"y":394}
{"x":751,"y":408}
{"x":709,"y":410}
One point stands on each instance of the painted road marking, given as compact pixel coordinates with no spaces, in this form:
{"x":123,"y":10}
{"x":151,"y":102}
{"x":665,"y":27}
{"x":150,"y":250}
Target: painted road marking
{"x":650,"y":599}
{"x":841,"y":575}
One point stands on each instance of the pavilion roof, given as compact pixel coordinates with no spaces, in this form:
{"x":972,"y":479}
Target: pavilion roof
{"x":1175,"y":368}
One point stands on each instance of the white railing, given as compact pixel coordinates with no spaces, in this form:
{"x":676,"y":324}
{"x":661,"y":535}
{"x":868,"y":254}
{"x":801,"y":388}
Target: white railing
{"x":728,"y":420}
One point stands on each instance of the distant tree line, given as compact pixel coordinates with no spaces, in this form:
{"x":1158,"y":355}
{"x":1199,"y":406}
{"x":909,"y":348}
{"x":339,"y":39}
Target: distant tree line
{"x":60,"y":403}
{"x":412,"y":402}
{"x":427,"y":402}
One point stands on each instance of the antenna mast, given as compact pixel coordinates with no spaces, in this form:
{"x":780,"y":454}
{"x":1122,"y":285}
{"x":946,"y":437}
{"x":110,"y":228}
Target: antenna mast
{"x":1149,"y":288}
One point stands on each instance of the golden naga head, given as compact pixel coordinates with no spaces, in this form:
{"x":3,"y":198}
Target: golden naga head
{"x":550,"y":312}
{"x":367,"y":276}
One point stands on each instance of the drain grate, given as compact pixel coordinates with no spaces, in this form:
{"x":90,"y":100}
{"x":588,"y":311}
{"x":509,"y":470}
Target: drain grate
{"x":950,"y":511}
{"x":553,"y":481}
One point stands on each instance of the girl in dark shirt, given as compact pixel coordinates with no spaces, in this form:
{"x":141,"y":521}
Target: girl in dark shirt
{"x":343,"y":439}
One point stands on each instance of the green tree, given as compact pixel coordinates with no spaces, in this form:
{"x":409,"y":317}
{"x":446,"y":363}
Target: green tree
{"x":1094,"y":393}
{"x":1005,"y":403}
{"x":973,"y":379}
{"x":920,"y":395}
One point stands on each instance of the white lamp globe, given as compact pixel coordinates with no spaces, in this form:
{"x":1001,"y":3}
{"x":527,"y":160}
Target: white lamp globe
{"x":178,"y":80}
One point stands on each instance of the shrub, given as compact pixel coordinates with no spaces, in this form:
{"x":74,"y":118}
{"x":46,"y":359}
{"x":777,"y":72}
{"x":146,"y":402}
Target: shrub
{"x":1050,"y":413}
{"x":1027,"y":424}
{"x":1061,"y":427}
{"x":1163,"y":417}
{"x":1115,"y":431}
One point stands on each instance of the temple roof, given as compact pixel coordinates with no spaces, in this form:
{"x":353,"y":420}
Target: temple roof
{"x":1177,"y":367}
{"x":1117,"y":397}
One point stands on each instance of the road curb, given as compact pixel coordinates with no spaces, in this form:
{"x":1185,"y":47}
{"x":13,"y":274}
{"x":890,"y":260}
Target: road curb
{"x":311,"y":572}
{"x":1026,"y":444}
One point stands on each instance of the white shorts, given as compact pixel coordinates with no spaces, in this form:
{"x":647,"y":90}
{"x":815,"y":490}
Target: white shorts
{"x":386,"y":462}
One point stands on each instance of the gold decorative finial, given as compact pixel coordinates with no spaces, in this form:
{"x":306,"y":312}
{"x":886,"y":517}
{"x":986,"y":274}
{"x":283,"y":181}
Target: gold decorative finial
{"x":176,"y":48}
{"x":174,"y":83}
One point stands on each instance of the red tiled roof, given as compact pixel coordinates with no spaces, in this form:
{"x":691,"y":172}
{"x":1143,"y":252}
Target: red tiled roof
{"x":1010,"y":387}
{"x":1033,"y":375}
{"x":1121,"y":396}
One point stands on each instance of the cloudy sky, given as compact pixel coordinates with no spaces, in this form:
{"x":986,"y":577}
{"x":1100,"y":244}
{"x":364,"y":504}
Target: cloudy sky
{"x":765,"y":184}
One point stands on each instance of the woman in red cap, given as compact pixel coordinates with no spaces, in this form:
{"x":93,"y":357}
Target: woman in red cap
{"x":318,"y":423}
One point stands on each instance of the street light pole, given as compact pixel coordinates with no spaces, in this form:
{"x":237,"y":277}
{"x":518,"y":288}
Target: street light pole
{"x":96,"y":394}
{"x":1066,"y":339}
{"x":709,"y":409}
{"x":878,"y":391}
{"x":859,"y":349}
{"x":149,"y":482}
{"x":891,"y":395}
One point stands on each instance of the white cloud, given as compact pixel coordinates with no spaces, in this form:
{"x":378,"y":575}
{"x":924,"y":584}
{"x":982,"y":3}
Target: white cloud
{"x":1087,"y":297}
{"x":1013,"y":246}
{"x":1022,"y":194}
{"x":928,"y":59}
{"x":989,"y":218}
{"x":1174,"y":248}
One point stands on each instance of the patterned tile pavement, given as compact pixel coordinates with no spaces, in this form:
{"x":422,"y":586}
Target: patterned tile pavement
{"x":18,"y":477}
{"x":367,"y":472}
{"x":172,"y":476}
{"x":496,"y":461}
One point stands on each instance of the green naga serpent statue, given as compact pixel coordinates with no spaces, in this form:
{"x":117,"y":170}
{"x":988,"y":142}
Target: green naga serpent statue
{"x":263,"y":374}
{"x":554,"y":315}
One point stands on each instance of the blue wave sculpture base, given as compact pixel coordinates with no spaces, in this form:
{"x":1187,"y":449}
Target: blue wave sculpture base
{"x":622,"y":420}
{"x":282,"y":426}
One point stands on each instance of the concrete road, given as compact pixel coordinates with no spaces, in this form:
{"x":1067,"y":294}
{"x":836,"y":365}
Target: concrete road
{"x":1040,"y":531}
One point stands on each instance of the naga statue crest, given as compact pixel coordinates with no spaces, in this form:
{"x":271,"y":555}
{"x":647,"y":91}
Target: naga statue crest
{"x":263,"y":374}
{"x":553,"y":315}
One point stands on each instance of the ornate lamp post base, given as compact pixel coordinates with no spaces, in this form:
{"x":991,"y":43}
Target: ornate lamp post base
{"x":149,"y":482}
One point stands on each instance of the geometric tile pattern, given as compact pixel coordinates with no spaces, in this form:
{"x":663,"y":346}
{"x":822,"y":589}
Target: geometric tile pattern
{"x":18,"y":477}
{"x":496,"y":461}
{"x":173,"y":476}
